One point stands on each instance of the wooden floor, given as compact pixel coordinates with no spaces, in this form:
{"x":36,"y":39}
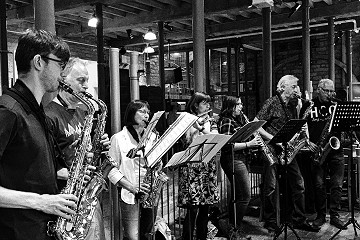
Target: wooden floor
{"x":254,"y":228}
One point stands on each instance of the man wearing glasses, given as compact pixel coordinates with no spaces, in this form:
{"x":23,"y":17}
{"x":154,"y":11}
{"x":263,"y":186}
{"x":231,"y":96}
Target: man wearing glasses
{"x":334,"y":162}
{"x":29,"y":196}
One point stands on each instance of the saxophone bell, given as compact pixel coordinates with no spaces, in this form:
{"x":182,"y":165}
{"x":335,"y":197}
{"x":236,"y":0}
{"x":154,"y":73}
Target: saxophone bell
{"x":334,"y":143}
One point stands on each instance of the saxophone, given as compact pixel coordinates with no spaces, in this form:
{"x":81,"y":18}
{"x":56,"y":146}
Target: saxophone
{"x":270,"y":156}
{"x":325,"y":144}
{"x":299,"y":140}
{"x":156,"y":179}
{"x":75,"y":228}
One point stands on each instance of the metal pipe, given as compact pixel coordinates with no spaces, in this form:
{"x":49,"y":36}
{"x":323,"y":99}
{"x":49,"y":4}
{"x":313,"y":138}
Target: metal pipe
{"x":198,"y":32}
{"x":267,"y":53}
{"x":100,"y":53}
{"x":4,"y":68}
{"x":331,"y":46}
{"x":115,"y":127}
{"x":134,"y":80}
{"x":45,"y":15}
{"x":162,"y":65}
{"x":349,"y":79}
{"x":260,"y":33}
{"x":306,"y":45}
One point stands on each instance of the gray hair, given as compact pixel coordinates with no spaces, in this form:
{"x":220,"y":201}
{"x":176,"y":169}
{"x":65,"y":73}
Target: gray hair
{"x":70,"y":64}
{"x":324,"y":82}
{"x":284,"y":81}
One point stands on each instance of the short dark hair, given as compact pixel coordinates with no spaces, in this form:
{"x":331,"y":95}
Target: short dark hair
{"x":41,"y":42}
{"x":196,"y":98}
{"x":228,"y":104}
{"x":131,"y":109}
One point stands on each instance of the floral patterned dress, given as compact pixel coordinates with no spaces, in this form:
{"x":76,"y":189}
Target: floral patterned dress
{"x":198,"y":181}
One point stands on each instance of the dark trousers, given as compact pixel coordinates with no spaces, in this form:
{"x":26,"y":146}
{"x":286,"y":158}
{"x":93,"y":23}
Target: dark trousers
{"x":334,"y":166}
{"x":196,"y":215}
{"x":242,"y":187}
{"x":295,"y":189}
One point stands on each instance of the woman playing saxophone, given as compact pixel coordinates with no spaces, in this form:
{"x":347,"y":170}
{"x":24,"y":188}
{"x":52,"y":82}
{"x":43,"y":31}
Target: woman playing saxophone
{"x":133,"y":168}
{"x":237,"y":169}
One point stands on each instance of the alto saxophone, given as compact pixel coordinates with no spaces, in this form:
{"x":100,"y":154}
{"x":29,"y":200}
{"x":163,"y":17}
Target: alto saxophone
{"x":270,"y":156}
{"x":75,"y":228}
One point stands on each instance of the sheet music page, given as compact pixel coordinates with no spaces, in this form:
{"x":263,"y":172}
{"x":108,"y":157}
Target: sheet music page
{"x":212,"y":144}
{"x":203,"y":148}
{"x":171,"y":135}
{"x":176,"y":159}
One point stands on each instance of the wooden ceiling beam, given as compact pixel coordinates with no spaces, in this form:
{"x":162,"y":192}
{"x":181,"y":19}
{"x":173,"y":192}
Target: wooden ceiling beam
{"x":139,"y":6}
{"x":152,"y":3}
{"x":176,"y":3}
{"x":126,"y":9}
{"x":344,"y":10}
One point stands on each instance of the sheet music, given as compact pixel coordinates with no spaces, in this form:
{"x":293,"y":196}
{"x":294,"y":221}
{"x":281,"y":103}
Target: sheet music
{"x":203,"y":148}
{"x":171,"y":135}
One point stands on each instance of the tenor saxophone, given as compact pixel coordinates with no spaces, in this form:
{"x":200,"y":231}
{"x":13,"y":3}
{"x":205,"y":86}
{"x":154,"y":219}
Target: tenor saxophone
{"x":75,"y":228}
{"x":270,"y":156}
{"x":325,"y":144}
{"x":299,"y":140}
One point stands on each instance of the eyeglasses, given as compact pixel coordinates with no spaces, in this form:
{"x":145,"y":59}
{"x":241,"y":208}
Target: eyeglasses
{"x":327,"y":90}
{"x":144,"y":111}
{"x":61,"y":63}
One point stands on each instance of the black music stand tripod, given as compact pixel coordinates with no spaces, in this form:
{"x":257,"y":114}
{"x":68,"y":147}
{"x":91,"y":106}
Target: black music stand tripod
{"x":240,"y":135}
{"x":283,"y":136}
{"x":346,"y":118}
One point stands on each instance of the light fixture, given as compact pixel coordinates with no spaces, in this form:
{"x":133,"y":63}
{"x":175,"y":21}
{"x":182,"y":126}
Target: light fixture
{"x":93,"y":21}
{"x":122,"y":51}
{"x":130,"y":35}
{"x":149,"y":49}
{"x":150,"y":35}
{"x":168,"y":27}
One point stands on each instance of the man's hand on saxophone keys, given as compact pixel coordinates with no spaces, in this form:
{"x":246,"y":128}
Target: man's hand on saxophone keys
{"x":61,"y":204}
{"x":105,"y":142}
{"x":89,"y":168}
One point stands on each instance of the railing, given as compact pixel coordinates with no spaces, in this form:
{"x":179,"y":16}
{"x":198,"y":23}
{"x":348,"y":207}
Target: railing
{"x":174,"y":215}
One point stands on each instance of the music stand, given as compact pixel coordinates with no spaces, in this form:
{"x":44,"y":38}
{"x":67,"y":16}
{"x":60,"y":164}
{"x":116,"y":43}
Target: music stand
{"x":204,"y":148}
{"x":346,"y":117}
{"x":283,"y":136}
{"x":241,"y":135}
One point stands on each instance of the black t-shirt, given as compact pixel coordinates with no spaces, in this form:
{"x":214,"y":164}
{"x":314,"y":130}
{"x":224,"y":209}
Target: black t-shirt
{"x":68,"y":125}
{"x":317,"y":117}
{"x":26,"y":164}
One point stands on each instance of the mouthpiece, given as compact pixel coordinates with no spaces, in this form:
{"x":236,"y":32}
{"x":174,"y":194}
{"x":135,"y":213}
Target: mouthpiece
{"x":203,"y":114}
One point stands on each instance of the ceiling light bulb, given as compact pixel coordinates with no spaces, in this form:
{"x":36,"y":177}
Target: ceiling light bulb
{"x":93,"y":22}
{"x":150,"y":35}
{"x":149,"y":49}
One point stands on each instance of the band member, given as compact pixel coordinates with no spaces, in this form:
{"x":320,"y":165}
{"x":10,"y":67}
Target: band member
{"x":134,"y":222}
{"x":68,"y":119}
{"x":198,"y":181}
{"x":277,"y":110}
{"x":231,"y":118}
{"x":334,"y":161}
{"x":29,"y":196}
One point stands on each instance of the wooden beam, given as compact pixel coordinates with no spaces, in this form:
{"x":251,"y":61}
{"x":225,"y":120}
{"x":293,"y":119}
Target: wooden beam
{"x":152,"y":3}
{"x":340,"y":10}
{"x":171,"y":2}
{"x":139,"y":6}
